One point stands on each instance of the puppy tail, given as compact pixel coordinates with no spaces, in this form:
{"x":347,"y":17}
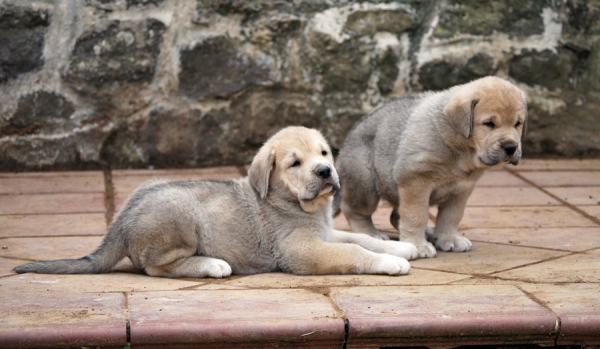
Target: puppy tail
{"x":110,"y":252}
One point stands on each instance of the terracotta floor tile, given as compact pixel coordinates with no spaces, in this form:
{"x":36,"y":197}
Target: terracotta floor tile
{"x":558,"y":164}
{"x":578,"y":195}
{"x":564,"y":178}
{"x":584,"y":267}
{"x":518,"y":196}
{"x":126,"y":181}
{"x":31,"y":319}
{"x":500,"y":179}
{"x":111,"y":282}
{"x":484,"y":258}
{"x":568,"y":239}
{"x":235,"y":318}
{"x":46,"y":248}
{"x":280,"y":280}
{"x":52,"y":203}
{"x":523,"y":217}
{"x":53,"y":225}
{"x":442,"y":315}
{"x":591,"y":210}
{"x":577,"y":305}
{"x":53,"y":182}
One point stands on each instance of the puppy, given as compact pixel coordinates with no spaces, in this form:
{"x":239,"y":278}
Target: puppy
{"x":429,"y":149}
{"x":277,"y":219}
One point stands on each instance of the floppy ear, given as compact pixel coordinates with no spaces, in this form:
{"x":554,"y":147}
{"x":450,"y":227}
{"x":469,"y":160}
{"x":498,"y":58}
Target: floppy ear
{"x":459,"y":112}
{"x":526,"y":122}
{"x":260,"y":170}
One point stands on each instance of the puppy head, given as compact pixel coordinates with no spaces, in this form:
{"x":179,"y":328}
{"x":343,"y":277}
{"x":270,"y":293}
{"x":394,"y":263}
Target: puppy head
{"x":492,"y":113}
{"x":296,"y":163}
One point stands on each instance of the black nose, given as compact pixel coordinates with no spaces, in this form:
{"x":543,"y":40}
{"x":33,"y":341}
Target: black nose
{"x":510,"y":149}
{"x":323,"y":172}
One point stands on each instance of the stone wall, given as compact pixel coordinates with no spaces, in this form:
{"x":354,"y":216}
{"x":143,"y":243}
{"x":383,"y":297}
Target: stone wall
{"x":174,"y":83}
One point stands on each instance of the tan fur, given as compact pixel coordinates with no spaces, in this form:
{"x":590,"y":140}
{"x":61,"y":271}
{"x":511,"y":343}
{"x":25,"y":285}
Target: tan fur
{"x":430,"y":150}
{"x":276,"y":219}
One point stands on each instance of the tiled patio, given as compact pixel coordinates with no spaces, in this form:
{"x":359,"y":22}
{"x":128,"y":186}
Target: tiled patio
{"x":533,"y":276}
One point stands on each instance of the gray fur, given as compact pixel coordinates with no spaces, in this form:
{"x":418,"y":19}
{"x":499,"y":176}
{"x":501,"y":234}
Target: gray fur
{"x":425,"y":150}
{"x":277,"y":219}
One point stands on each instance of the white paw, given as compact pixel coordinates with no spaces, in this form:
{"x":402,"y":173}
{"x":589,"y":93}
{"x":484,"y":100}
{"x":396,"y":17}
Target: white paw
{"x":426,"y":250}
{"x":454,"y":243}
{"x":402,"y":249}
{"x":219,"y":269}
{"x":381,"y":236}
{"x":392,"y":265}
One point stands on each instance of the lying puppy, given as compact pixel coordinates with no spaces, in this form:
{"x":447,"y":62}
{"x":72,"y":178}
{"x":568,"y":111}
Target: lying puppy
{"x":429,"y":149}
{"x":277,"y":219}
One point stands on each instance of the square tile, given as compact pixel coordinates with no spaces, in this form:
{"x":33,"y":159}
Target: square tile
{"x":443,"y":315}
{"x":234,"y":318}
{"x":500,"y":179}
{"x":580,"y":267}
{"x":53,"y":182}
{"x":510,"y":196}
{"x":53,"y":225}
{"x":564,"y":178}
{"x":523,"y":217}
{"x":484,"y":258}
{"x":568,"y":239}
{"x":577,"y":306}
{"x":32,"y":319}
{"x":52,"y":203}
{"x":577,"y":195}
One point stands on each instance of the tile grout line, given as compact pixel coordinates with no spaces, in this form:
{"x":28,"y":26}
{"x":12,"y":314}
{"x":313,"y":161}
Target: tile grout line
{"x":558,"y":325}
{"x":127,"y":316}
{"x":342,"y":315}
{"x":563,"y":202}
{"x":109,"y":195}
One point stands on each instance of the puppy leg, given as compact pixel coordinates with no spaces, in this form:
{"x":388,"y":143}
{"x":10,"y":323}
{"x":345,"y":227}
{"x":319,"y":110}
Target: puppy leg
{"x":414,"y":215}
{"x":317,"y":257}
{"x":396,"y":248}
{"x":395,"y":221}
{"x":192,"y":267}
{"x":450,"y":212}
{"x":359,"y":201}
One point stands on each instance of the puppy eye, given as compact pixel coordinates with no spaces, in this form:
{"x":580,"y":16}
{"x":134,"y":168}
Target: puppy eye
{"x":518,"y":124}
{"x":296,"y":164}
{"x":489,"y":124}
{"x":324,"y":153}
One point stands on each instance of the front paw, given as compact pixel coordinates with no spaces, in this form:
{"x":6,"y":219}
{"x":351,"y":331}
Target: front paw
{"x":391,"y":265}
{"x":426,"y":250}
{"x":381,"y":236}
{"x":454,"y":243}
{"x":402,"y":249}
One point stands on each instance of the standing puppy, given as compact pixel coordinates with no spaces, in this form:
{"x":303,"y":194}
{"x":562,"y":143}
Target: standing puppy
{"x":429,"y":149}
{"x":276,"y":219}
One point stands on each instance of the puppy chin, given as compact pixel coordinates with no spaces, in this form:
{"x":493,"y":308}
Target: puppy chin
{"x":327,"y":188}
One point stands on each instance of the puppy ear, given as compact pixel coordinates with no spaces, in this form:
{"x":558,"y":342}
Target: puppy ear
{"x":526,"y":122}
{"x":260,"y":170}
{"x":459,"y":112}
